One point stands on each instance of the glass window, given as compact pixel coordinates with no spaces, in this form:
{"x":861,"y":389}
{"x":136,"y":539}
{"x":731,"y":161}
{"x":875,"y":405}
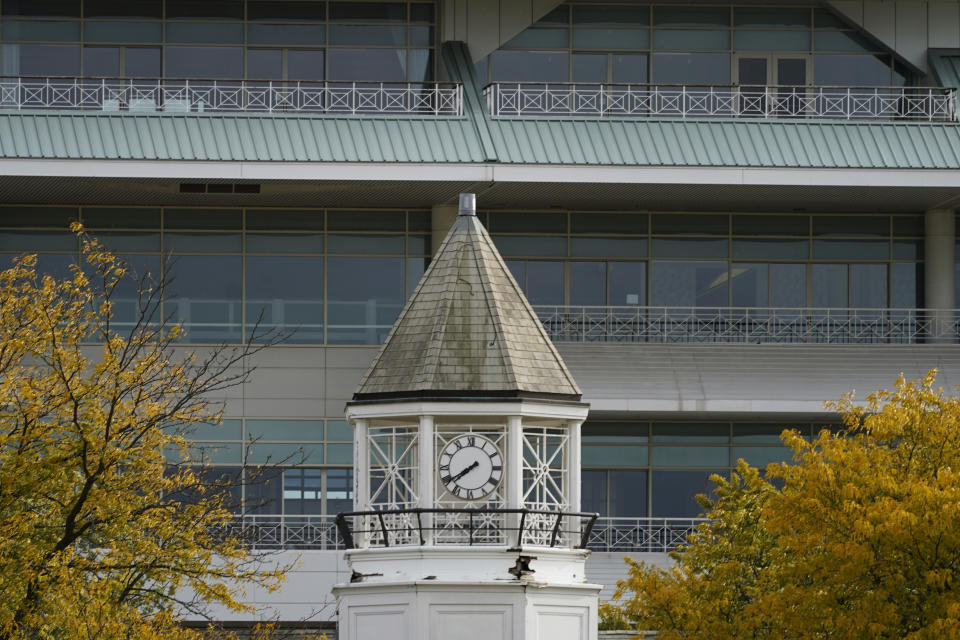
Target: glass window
{"x":691,"y":17}
{"x":771,"y":249}
{"x":208,"y":307}
{"x":142,"y":62}
{"x":264,"y":64}
{"x":690,"y":40}
{"x":264,"y":491}
{"x":759,"y":433}
{"x":302,"y":491}
{"x":762,"y":456}
{"x":674,"y":492}
{"x":766,"y":225}
{"x":630,"y":68}
{"x":371,"y":35}
{"x":285,"y":430}
{"x":204,"y":62}
{"x":618,"y":455}
{"x":690,"y":224}
{"x":905,"y":285}
{"x":608,"y":247}
{"x":305,"y":64}
{"x":589,"y":67}
{"x":687,"y":433}
{"x":788,"y":285}
{"x":41,"y":59}
{"x":529,"y":66}
{"x":101,"y":61}
{"x":286,"y":34}
{"x":868,"y":286}
{"x":667,"y":456}
{"x":588,"y":283}
{"x":226,"y":430}
{"x":286,"y":294}
{"x":339,"y":430}
{"x":628,"y":283}
{"x":367,"y":11}
{"x":544,"y":282}
{"x":48,"y":30}
{"x":208,"y":9}
{"x":610,"y":15}
{"x":123,"y":9}
{"x":628,"y":494}
{"x":872,"y":226}
{"x":364,"y":297}
{"x":690,"y":247}
{"x":610,"y":39}
{"x":46,"y":8}
{"x":771,"y":41}
{"x":294,"y":10}
{"x":851,"y":70}
{"x":851,"y":249}
{"x":530,"y":246}
{"x":122,"y":31}
{"x":829,"y":285}
{"x":378,"y":65}
{"x":364,"y":243}
{"x":339,"y":490}
{"x":593,"y":496}
{"x":205,"y":32}
{"x":771,"y":17}
{"x":540,"y":39}
{"x":689,"y":284}
{"x":750,"y":285}
{"x":691,"y":68}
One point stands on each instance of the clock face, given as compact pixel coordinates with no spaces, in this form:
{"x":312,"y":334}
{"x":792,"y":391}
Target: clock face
{"x":470,"y":467}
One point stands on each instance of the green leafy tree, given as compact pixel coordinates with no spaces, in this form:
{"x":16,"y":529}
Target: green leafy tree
{"x":861,"y":540}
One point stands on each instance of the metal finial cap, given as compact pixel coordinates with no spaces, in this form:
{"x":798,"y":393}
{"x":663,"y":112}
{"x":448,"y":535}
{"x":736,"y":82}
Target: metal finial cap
{"x":468,"y":204}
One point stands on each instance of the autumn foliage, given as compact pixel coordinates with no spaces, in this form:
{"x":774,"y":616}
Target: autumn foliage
{"x":96,"y":538}
{"x":858,"y":537}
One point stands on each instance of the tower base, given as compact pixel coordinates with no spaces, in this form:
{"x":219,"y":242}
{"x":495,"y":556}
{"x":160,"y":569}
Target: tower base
{"x":423,"y":593}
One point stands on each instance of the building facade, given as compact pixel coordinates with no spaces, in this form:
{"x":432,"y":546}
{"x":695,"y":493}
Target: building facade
{"x":724,"y":213}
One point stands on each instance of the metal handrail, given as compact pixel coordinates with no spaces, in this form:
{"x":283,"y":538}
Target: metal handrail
{"x":474,"y":527}
{"x":175,"y":95}
{"x":729,"y":101}
{"x":323,"y":532}
{"x":750,"y":325}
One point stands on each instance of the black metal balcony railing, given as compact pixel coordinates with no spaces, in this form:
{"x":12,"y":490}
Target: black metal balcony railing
{"x":199,"y":96}
{"x":321,"y":532}
{"x":465,"y":527}
{"x":750,"y":325}
{"x":723,"y":101}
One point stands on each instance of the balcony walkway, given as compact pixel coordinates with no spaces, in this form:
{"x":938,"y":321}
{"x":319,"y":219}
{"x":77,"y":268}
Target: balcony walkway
{"x":750,"y":325}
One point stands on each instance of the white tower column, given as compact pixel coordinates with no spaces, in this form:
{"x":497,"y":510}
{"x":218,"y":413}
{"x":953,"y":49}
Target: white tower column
{"x":426,"y":475}
{"x":361,"y":484}
{"x":442,"y":217}
{"x":573,"y":466}
{"x":514,"y":476}
{"x":939,"y":258}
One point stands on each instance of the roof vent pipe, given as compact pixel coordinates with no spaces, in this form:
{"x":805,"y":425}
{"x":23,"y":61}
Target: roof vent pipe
{"x":468,"y":204}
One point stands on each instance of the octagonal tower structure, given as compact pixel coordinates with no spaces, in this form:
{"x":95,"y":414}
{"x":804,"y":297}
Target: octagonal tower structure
{"x":466,"y":521}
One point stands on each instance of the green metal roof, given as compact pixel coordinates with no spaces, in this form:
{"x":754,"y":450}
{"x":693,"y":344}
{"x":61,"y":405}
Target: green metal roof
{"x":726,"y":143}
{"x":945,"y":66}
{"x":559,"y":141}
{"x":237,"y":137}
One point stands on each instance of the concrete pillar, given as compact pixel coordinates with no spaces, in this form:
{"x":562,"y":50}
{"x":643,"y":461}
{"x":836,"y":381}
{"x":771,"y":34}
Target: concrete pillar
{"x":514,"y":476}
{"x":939,"y":258}
{"x":427,"y":474}
{"x":442,"y":217}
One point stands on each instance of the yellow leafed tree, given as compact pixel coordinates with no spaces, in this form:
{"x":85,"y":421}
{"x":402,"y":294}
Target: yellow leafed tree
{"x":859,"y":539}
{"x":107,"y":526}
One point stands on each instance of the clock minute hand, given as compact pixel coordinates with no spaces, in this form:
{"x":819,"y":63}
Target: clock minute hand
{"x":469,"y":468}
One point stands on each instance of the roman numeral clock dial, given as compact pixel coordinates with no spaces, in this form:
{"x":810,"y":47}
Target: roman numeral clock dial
{"x":470,"y":467}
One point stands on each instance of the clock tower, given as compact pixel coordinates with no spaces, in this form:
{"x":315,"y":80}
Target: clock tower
{"x":466,"y":521}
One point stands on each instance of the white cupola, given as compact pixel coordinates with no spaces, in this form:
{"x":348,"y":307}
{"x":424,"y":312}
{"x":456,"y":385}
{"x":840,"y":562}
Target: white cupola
{"x":466,"y":518}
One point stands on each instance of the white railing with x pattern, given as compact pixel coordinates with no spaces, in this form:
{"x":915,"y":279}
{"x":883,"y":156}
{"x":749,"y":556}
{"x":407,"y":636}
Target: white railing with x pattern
{"x":749,"y":325}
{"x":198,"y":96}
{"x":694,"y":101}
{"x":318,"y":532}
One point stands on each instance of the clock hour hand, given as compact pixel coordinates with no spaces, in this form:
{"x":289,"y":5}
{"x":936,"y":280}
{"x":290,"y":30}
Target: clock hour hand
{"x":469,"y":468}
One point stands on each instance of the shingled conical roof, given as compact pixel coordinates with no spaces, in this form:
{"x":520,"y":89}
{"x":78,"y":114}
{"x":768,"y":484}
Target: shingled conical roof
{"x":467,"y":332}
